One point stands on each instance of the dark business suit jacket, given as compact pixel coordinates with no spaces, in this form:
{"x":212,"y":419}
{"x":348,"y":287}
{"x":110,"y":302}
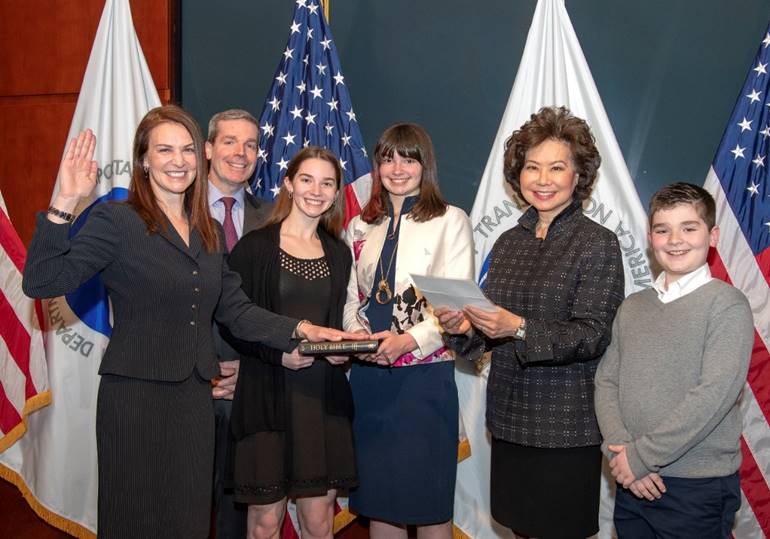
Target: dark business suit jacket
{"x":255,"y":212}
{"x":164,"y":294}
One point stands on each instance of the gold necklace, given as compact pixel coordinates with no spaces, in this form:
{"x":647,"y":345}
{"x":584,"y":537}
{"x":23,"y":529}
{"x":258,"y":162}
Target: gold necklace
{"x":384,"y":294}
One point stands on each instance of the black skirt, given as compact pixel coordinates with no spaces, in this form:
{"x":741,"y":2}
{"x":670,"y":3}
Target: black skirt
{"x":546,"y":493}
{"x":155,"y":443}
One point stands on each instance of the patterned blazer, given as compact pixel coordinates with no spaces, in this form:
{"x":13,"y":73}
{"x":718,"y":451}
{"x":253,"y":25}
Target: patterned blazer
{"x":441,"y":247}
{"x":568,"y":288}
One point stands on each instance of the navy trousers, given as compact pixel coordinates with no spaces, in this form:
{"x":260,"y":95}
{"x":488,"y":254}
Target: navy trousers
{"x":690,"y":508}
{"x":230,"y":517}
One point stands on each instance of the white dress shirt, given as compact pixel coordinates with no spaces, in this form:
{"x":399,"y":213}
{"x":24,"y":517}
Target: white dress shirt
{"x":217,"y":207}
{"x":682,"y":286}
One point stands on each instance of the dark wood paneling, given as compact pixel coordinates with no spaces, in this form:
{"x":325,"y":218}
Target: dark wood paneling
{"x":44,"y":46}
{"x":32,"y":134}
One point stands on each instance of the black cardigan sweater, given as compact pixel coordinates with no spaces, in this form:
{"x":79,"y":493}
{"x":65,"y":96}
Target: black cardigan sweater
{"x":259,"y":400}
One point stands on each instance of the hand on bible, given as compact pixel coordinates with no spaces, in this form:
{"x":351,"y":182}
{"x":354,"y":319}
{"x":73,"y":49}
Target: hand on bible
{"x":314,"y":333}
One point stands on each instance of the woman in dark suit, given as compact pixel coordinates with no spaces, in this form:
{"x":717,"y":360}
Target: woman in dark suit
{"x":292,"y":414}
{"x":557,"y":280}
{"x":160,"y":258}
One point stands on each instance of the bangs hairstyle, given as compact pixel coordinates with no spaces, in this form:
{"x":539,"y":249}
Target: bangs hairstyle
{"x":140,"y":193}
{"x":554,"y":123}
{"x":333,"y":219}
{"x":411,"y":141}
{"x":685,"y":193}
{"x":225,"y":115}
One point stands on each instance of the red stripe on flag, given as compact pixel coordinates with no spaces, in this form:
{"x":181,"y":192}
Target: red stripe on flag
{"x":11,"y":243}
{"x":17,"y":340}
{"x":9,"y":416}
{"x":351,"y":204}
{"x":287,"y":530}
{"x":755,"y":488}
{"x":39,"y":313}
{"x":759,"y":375}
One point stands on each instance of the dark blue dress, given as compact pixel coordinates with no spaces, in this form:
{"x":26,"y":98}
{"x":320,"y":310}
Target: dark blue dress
{"x":405,"y":426}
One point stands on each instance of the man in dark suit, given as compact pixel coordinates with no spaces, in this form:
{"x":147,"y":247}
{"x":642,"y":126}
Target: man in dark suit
{"x":231,"y":148}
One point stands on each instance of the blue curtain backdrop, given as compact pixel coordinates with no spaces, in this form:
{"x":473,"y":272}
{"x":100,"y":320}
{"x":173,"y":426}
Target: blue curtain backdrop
{"x":668,"y":72}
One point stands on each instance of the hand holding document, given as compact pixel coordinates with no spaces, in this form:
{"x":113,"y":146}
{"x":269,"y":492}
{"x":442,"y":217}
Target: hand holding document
{"x":454,"y":294}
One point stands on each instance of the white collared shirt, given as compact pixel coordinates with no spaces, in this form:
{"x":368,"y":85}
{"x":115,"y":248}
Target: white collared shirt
{"x":682,"y":286}
{"x":217,"y":207}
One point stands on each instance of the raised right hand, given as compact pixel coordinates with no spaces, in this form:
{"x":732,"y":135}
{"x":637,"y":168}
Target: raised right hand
{"x":77,"y":172}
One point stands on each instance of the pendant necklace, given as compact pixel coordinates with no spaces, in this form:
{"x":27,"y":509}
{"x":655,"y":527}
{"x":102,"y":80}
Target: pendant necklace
{"x":384,"y":294}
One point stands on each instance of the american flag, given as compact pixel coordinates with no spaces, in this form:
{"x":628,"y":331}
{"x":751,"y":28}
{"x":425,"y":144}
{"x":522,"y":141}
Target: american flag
{"x":309,"y":104}
{"x":23,"y":369}
{"x":739,"y":179}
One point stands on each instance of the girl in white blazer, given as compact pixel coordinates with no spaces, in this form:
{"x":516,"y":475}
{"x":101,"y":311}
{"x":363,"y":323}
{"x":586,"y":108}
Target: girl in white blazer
{"x":406,"y":413}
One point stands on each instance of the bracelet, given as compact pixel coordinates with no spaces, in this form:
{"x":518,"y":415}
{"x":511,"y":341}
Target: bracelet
{"x":295,"y":334}
{"x":69,"y":217}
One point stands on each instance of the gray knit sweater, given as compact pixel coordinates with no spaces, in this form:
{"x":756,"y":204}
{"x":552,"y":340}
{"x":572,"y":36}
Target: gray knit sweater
{"x":668,"y":384}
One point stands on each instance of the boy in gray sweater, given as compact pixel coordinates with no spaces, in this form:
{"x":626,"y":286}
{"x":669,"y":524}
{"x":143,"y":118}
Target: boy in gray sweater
{"x":667,"y":388}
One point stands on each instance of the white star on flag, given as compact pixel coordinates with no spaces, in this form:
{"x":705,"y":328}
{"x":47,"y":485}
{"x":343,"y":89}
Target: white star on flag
{"x":289,"y":138}
{"x":759,"y":160}
{"x":738,"y":151}
{"x":745,"y":125}
{"x":267,"y":129}
{"x":754,"y":95}
{"x":306,"y":106}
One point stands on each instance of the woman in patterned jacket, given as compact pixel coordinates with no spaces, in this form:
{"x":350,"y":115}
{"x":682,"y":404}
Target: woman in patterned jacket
{"x":557,"y":278}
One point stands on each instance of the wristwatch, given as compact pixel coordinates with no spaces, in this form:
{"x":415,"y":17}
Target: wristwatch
{"x":521,"y":331}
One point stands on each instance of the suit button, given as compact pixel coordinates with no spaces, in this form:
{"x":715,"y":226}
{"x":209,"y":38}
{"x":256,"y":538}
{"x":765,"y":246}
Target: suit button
{"x":197,"y":289}
{"x":195,"y":272}
{"x":194,"y":306}
{"x":192,"y":322}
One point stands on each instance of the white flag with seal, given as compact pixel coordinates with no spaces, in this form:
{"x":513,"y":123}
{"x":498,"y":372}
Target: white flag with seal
{"x":553,"y":72}
{"x":55,"y":464}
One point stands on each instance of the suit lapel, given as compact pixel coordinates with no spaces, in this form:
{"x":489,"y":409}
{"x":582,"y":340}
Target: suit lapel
{"x":254,"y":213}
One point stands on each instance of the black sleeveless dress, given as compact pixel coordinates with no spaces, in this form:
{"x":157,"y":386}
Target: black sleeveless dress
{"x":314,"y":452}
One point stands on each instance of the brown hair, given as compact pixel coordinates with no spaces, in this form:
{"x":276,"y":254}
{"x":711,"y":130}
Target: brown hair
{"x":685,"y":193}
{"x":225,"y":115}
{"x":411,"y":141}
{"x":333,"y":219}
{"x":140,"y":193}
{"x":555,"y":123}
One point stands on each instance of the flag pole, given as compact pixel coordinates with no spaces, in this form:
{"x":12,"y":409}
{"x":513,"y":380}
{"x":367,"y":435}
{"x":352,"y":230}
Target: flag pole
{"x":325,"y":4}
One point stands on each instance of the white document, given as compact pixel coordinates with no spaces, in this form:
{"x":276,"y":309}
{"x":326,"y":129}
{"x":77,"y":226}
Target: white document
{"x":452,"y":293}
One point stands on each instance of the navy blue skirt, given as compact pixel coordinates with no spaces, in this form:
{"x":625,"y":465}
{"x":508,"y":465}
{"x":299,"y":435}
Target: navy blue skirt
{"x":405,"y":432}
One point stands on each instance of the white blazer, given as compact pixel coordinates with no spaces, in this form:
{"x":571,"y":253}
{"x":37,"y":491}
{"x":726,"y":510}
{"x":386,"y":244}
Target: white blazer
{"x":441,"y":247}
